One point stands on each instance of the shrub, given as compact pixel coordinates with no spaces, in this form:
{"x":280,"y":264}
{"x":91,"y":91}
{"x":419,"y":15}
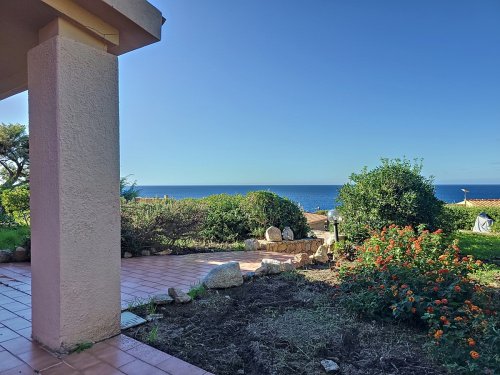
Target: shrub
{"x":16,"y":202}
{"x":225,"y":219}
{"x":159,"y":224}
{"x":420,"y":278}
{"x":265,"y":209}
{"x":461,"y":217}
{"x":393,"y":193}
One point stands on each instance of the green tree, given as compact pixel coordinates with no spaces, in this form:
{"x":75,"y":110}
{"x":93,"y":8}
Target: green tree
{"x":14,"y":155}
{"x":128,"y":189}
{"x":393,"y":193}
{"x":16,"y":202}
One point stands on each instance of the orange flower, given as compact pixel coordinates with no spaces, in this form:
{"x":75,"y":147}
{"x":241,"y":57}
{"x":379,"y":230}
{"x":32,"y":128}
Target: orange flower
{"x":443,"y":257}
{"x":438,"y":334}
{"x":409,"y":293}
{"x":404,"y":286}
{"x":443,"y":318}
{"x":471,"y":341}
{"x":437,"y":302}
{"x":457,"y":289}
{"x":382,"y":286}
{"x":413,"y":310}
{"x":444,"y":301}
{"x":465,"y":259}
{"x":458,"y":319}
{"x":436,"y":288}
{"x":474,"y":354}
{"x":411,"y":299}
{"x":430,"y":309}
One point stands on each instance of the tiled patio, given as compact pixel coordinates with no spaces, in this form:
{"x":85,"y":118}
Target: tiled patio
{"x":141,"y":278}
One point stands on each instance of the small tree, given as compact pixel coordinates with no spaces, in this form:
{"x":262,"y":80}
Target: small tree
{"x":393,"y":193}
{"x":128,"y":189}
{"x":16,"y":202}
{"x":14,"y":155}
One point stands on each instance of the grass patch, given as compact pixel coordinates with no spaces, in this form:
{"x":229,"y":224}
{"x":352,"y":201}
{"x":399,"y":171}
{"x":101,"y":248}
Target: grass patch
{"x":10,"y":238}
{"x":481,"y":246}
{"x":487,"y":248}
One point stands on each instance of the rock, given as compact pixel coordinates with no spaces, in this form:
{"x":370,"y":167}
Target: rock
{"x":272,"y":266}
{"x":287,"y":234}
{"x":20,"y":255}
{"x":330,"y":366}
{"x":251,"y":244}
{"x":224,"y":276}
{"x":287,"y":266}
{"x":162,"y":299}
{"x":145,"y":253}
{"x":153,"y":317}
{"x":302,"y":259}
{"x":178,"y":295}
{"x":164,"y":252}
{"x":248,"y":276}
{"x":262,"y":270}
{"x":329,"y":239}
{"x":126,"y":254}
{"x":273,"y":234}
{"x":321,"y":255}
{"x":5,"y":256}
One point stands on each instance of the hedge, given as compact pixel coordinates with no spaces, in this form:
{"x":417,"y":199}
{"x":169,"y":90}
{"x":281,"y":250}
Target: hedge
{"x":464,"y":218}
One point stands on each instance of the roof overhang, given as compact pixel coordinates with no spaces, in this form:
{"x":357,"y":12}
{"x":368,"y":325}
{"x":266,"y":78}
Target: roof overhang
{"x":123,"y":25}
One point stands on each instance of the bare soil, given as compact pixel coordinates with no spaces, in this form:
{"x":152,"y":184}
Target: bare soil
{"x":283,"y":324}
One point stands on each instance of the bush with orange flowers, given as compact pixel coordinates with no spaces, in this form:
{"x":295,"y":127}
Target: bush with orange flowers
{"x":420,"y":277}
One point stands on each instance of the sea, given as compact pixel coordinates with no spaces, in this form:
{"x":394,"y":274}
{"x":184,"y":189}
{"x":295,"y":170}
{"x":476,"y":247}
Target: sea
{"x":309,"y":197}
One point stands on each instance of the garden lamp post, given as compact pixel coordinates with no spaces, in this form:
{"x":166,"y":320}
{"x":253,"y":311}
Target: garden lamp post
{"x":334,"y":217}
{"x":465,"y":195}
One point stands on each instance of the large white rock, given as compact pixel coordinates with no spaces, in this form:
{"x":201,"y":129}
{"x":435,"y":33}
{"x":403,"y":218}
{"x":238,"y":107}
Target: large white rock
{"x":287,"y":234}
{"x":272,"y":266}
{"x":251,"y":244}
{"x":321,"y":255}
{"x":224,"y":276}
{"x":273,"y":234}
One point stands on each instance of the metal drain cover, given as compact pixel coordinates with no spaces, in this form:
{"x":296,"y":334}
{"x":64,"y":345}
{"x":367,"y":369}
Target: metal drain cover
{"x":129,"y":320}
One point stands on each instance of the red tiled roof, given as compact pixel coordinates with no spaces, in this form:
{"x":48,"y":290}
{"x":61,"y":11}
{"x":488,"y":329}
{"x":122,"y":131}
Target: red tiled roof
{"x":480,"y":203}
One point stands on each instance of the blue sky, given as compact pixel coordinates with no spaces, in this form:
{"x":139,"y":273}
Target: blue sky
{"x":306,"y":92}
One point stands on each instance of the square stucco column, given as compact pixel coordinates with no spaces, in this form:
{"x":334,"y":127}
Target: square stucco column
{"x":74,"y":182}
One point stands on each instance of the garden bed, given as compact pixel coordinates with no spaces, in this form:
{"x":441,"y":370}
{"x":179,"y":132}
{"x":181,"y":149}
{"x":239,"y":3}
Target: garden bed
{"x":284,"y":324}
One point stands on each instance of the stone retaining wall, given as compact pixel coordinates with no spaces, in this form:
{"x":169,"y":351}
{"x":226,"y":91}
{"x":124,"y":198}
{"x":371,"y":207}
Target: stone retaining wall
{"x":308,"y":245}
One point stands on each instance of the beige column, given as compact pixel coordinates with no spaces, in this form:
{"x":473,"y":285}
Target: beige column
{"x":74,"y":180}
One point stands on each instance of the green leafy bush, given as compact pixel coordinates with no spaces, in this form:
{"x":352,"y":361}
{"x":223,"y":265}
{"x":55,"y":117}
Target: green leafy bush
{"x":265,"y":209}
{"x":225,"y":219}
{"x":422,"y":279}
{"x":16,"y":202}
{"x":393,"y":193}
{"x":159,"y":224}
{"x":461,"y":217}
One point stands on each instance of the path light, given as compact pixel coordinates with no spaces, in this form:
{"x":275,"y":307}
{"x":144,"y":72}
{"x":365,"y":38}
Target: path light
{"x":334,"y":217}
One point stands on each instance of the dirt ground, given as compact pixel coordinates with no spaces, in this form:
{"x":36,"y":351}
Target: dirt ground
{"x":283,"y":324}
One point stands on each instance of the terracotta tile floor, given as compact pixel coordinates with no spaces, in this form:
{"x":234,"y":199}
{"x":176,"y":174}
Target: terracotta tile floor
{"x":140,"y":279}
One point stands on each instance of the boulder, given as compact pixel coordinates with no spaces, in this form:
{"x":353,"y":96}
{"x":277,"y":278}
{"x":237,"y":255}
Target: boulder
{"x":248,"y":276}
{"x":302,"y":259}
{"x":224,"y":276}
{"x":164,"y":252}
{"x":321,"y":255}
{"x":272,"y":266}
{"x":330,"y":366}
{"x":287,"y":266}
{"x":273,"y":234}
{"x":162,"y":299}
{"x":178,"y":295}
{"x":126,"y":254}
{"x":5,"y":256}
{"x":287,"y":234}
{"x":20,"y":254}
{"x":251,"y":244}
{"x":145,"y":253}
{"x":329,"y":239}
